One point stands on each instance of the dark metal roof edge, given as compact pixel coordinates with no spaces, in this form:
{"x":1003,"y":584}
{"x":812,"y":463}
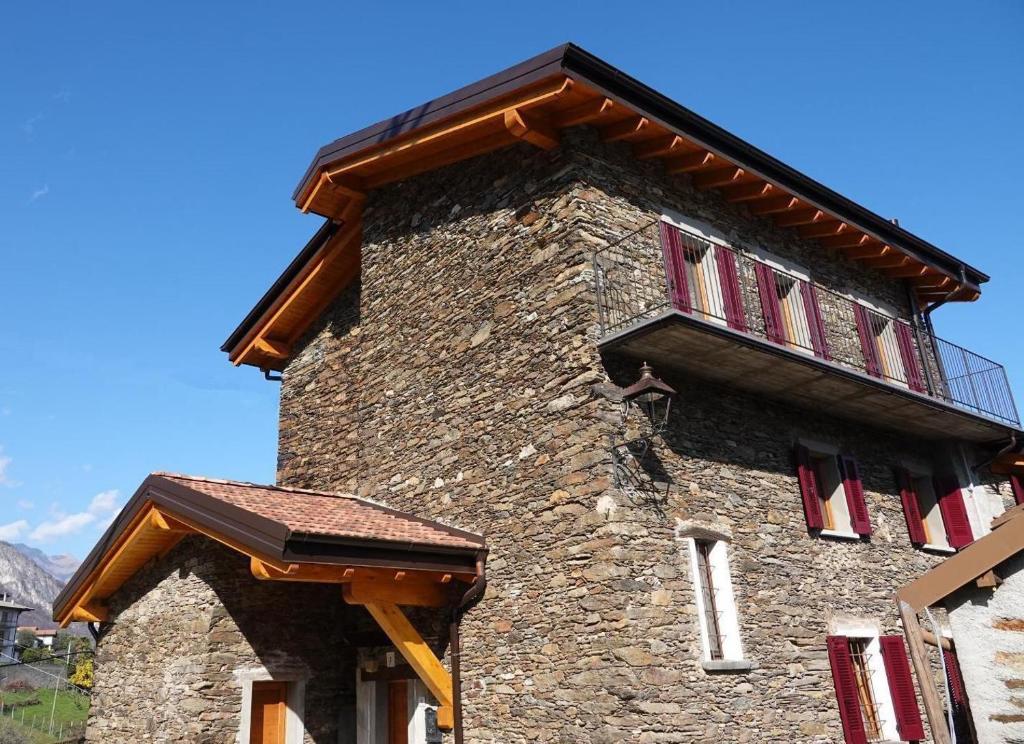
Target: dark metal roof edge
{"x":321,"y":236}
{"x":647,"y":101}
{"x":522,"y":73}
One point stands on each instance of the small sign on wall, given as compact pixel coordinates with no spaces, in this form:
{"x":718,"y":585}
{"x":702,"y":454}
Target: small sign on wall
{"x":433,"y":732}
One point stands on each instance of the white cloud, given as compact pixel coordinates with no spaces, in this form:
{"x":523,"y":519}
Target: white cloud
{"x":39,"y":193}
{"x":29,"y":127}
{"x":62,"y":526}
{"x":105,"y":502}
{"x":13,"y":530}
{"x":5,"y":462}
{"x":25,"y":504}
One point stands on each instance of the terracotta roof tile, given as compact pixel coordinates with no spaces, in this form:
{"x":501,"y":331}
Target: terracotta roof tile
{"x":328,"y":514}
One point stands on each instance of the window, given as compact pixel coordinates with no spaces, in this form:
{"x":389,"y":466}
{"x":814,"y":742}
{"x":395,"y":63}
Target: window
{"x":934,"y":509}
{"x":789,"y":305}
{"x":874,"y":687}
{"x":888,"y":347}
{"x":702,"y":276}
{"x":832,"y":492}
{"x":716,"y":607}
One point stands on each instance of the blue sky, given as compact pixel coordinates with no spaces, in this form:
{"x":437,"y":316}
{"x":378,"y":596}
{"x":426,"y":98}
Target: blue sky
{"x":148,"y":152}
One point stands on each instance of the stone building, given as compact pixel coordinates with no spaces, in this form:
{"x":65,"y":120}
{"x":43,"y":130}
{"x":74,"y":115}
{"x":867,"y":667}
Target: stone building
{"x":456,"y":341}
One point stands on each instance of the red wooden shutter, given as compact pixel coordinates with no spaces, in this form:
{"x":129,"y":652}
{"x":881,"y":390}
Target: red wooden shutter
{"x":855,"y":495}
{"x":770,"y":308}
{"x":956,"y":682}
{"x":1017,"y":486}
{"x":809,"y":488}
{"x":909,"y":356}
{"x":911,"y":507}
{"x":814,"y":320}
{"x":954,"y":512}
{"x":901,"y":686}
{"x":732,"y":297}
{"x":675,"y":266}
{"x":867,"y":340}
{"x":846,"y":689}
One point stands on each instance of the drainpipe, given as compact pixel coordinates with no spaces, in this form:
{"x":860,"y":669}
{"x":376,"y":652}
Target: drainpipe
{"x":471,"y":597}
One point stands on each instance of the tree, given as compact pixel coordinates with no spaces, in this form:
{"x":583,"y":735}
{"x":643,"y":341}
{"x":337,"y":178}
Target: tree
{"x":82,"y":678}
{"x":30,"y":655}
{"x":26,"y":638}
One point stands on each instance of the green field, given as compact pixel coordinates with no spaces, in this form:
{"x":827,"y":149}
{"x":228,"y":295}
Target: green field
{"x":72,"y":708}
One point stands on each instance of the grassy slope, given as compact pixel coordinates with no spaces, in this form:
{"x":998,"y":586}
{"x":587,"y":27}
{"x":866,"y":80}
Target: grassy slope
{"x":71,"y":708}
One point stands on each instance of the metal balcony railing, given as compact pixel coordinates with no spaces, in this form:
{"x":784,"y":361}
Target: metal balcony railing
{"x":658,"y":267}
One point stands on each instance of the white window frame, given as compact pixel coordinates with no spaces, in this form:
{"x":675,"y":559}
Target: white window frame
{"x":898,"y":373}
{"x":725,"y":600}
{"x":794,"y":298}
{"x":838,"y":505}
{"x":869,"y":630}
{"x":294,"y":727}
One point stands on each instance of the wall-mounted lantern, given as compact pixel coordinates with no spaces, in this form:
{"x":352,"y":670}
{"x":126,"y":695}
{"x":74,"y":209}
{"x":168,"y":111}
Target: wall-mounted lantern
{"x":650,"y":396}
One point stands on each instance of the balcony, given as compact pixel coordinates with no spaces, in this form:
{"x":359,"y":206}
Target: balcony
{"x":679,"y":300}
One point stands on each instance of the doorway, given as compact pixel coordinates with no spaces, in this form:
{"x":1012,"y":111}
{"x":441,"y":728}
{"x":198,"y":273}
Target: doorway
{"x":269,"y":711}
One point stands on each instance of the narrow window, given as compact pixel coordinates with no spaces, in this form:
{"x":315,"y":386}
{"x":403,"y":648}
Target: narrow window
{"x":863,"y":674}
{"x":794,"y":315}
{"x":716,"y":606}
{"x":710,"y":606}
{"x":269,"y":712}
{"x":887,"y":348}
{"x":931,"y":515}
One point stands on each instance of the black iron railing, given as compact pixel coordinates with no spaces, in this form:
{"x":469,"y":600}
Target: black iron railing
{"x":658,"y":267}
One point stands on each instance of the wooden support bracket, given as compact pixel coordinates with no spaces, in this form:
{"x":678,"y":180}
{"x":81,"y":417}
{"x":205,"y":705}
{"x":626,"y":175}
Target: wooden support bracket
{"x":925,"y":680}
{"x":531,"y":129}
{"x":421,"y":658}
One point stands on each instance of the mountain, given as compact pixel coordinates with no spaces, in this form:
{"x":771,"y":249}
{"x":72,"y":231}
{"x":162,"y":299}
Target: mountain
{"x":27,"y":583}
{"x":60,"y":567}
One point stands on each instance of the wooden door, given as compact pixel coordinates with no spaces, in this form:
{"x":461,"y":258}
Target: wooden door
{"x":398,"y":712}
{"x":269,"y":705}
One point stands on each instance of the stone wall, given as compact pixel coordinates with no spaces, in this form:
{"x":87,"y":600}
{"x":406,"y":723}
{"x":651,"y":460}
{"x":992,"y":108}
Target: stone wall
{"x":461,"y":381}
{"x":988,"y":629}
{"x":188,"y":628}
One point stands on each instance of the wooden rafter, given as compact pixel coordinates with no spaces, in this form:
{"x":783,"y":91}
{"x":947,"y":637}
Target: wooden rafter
{"x":531,"y":129}
{"x":626,"y":129}
{"x":693,"y":161}
{"x":774,"y":205}
{"x":800,"y":217}
{"x":849,"y":239}
{"x":747,"y":191}
{"x":823,"y":229}
{"x":585,"y":113}
{"x":887,"y":262}
{"x":718,"y":177}
{"x":660,"y":147}
{"x":871,"y":250}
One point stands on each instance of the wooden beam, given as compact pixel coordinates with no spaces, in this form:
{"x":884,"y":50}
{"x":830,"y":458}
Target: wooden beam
{"x":625,"y":129}
{"x":324,"y":573}
{"x":531,"y":129}
{"x":925,"y":682}
{"x":799,"y":217}
{"x":910,"y":271}
{"x":350,"y":185}
{"x":742,"y":192}
{"x":933,"y":282}
{"x":822,"y":229}
{"x":988,"y":580}
{"x":418,"y":654}
{"x":412,"y":592}
{"x":928,"y":637}
{"x":272,"y":348}
{"x":691,"y":162}
{"x":892,"y":261}
{"x":873,"y":250}
{"x":89,"y":612}
{"x":849,"y":239}
{"x":774,"y":205}
{"x":589,"y":111}
{"x":718,"y":177}
{"x":660,"y":147}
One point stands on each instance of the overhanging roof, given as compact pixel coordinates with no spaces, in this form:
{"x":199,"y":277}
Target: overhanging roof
{"x":282,"y":530}
{"x":531,"y":102}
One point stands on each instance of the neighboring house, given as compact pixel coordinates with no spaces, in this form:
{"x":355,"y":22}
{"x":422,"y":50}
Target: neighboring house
{"x":978,"y":598}
{"x":9,"y":614}
{"x":44,"y":636}
{"x":461,"y":340}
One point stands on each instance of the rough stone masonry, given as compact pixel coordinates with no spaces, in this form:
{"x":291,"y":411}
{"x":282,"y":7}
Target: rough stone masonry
{"x":461,"y":380}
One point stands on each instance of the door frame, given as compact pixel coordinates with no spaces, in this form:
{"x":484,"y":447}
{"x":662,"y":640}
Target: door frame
{"x":294,"y":726}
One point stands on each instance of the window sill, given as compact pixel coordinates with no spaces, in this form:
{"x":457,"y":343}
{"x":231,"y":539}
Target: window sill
{"x":728,"y":665}
{"x":839,"y":535}
{"x":945,"y":549}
